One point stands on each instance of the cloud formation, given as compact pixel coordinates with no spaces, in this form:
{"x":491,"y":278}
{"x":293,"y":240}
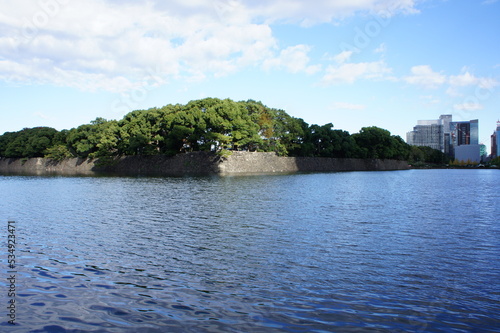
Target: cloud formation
{"x":344,"y":106}
{"x":424,"y":76}
{"x":115,"y":45}
{"x":306,"y":13}
{"x":468,"y":107}
{"x":352,"y":72}
{"x":294,"y":59}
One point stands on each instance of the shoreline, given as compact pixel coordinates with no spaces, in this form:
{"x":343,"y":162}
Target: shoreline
{"x":195,"y":163}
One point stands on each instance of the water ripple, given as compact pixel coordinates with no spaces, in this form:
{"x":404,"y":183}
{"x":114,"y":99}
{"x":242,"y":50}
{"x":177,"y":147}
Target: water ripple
{"x":377,"y":252}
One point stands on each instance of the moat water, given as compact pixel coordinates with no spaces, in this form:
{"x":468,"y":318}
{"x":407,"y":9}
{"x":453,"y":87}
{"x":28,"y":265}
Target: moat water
{"x":394,"y":251}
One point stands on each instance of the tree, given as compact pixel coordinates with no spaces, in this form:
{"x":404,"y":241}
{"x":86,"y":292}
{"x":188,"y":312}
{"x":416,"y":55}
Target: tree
{"x":98,"y":139}
{"x":58,"y":152}
{"x":142,"y":132}
{"x":288,"y":134}
{"x":495,"y":161}
{"x":400,"y":150}
{"x":375,"y":142}
{"x":29,"y":142}
{"x":424,"y":154}
{"x":209,"y":124}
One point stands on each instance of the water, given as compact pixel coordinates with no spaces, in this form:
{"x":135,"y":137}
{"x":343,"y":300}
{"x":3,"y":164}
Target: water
{"x":343,"y":252}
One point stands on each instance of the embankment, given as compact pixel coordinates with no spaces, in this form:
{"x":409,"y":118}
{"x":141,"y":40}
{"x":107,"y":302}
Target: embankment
{"x":197,"y":163}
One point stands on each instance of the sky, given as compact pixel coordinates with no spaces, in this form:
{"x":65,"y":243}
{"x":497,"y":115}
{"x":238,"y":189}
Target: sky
{"x":353,"y":63}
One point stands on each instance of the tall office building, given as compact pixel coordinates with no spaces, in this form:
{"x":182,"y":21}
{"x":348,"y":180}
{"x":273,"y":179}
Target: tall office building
{"x":464,"y":132}
{"x":495,"y":142}
{"x":458,"y":139}
{"x":483,"y":152}
{"x":446,"y":119}
{"x":430,"y":133}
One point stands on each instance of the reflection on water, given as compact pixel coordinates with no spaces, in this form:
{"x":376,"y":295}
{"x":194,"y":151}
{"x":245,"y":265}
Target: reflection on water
{"x":388,"y":251}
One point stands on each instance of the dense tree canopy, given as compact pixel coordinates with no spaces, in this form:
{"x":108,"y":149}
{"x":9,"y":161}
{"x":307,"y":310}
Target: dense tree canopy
{"x":204,"y":125}
{"x":29,"y":142}
{"x":423,"y":154}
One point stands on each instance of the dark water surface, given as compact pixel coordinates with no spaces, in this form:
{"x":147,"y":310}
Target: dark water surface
{"x":343,"y":252}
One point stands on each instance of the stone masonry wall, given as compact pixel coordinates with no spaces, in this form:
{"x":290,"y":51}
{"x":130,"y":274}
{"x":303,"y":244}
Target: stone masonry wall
{"x":198,"y":163}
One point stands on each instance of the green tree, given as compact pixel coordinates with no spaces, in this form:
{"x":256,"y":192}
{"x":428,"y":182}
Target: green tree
{"x":58,"y":152}
{"x":400,"y":150}
{"x":142,"y":132}
{"x":375,"y":142}
{"x":424,"y":154}
{"x":208,"y":124}
{"x":97,"y":139}
{"x":288,"y":134}
{"x":5,"y":141}
{"x":495,"y":161}
{"x":29,"y":142}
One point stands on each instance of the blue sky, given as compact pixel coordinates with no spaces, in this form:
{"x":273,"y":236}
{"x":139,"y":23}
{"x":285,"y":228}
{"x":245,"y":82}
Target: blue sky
{"x":352,"y":63}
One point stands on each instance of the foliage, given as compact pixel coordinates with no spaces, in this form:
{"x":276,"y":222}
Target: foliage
{"x":468,"y":163}
{"x":29,"y":142}
{"x":423,"y":154}
{"x":209,"y":124}
{"x":495,"y":161}
{"x":324,"y":141}
{"x":375,"y":142}
{"x":58,"y":153}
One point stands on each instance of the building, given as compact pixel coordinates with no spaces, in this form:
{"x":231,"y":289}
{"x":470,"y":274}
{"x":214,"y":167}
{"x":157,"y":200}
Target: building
{"x":447,"y":135}
{"x":427,"y":133}
{"x":495,"y":142}
{"x":468,"y":153}
{"x":431,"y":133}
{"x":464,"y":132}
{"x":483,"y":152}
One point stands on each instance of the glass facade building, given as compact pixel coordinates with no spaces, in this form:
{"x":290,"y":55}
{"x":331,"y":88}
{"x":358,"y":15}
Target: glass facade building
{"x":446,"y":135}
{"x":495,"y":142}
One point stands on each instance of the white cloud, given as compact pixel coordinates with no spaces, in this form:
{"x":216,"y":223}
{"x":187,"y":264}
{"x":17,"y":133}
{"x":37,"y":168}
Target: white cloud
{"x":320,"y":11}
{"x":347,"y":106}
{"x":112,"y":45}
{"x":424,"y":76}
{"x":430,"y":100}
{"x":351,"y":72}
{"x":41,"y":115}
{"x":468,"y":107}
{"x":462,"y":80}
{"x":454,"y":92}
{"x":381,"y":49}
{"x":342,"y":57}
{"x":467,"y":79}
{"x":101,"y":45}
{"x":294,"y":59}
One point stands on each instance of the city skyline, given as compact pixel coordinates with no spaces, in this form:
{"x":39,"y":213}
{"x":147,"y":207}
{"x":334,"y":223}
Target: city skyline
{"x":367,"y":63}
{"x":457,"y":139}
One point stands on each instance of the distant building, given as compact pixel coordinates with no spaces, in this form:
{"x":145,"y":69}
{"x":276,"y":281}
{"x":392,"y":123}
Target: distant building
{"x":483,"y":152}
{"x":494,"y":149}
{"x":464,"y":133}
{"x":447,"y":135}
{"x":427,"y":133}
{"x":431,"y":133}
{"x":495,"y":142}
{"x":468,"y":153}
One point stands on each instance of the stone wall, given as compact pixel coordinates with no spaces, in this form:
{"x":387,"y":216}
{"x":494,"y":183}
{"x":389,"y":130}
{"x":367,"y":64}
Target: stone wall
{"x":184,"y":164}
{"x":248,"y":163}
{"x":42,"y":166}
{"x":198,"y":163}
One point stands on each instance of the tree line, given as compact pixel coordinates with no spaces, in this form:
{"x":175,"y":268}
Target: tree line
{"x":209,"y":124}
